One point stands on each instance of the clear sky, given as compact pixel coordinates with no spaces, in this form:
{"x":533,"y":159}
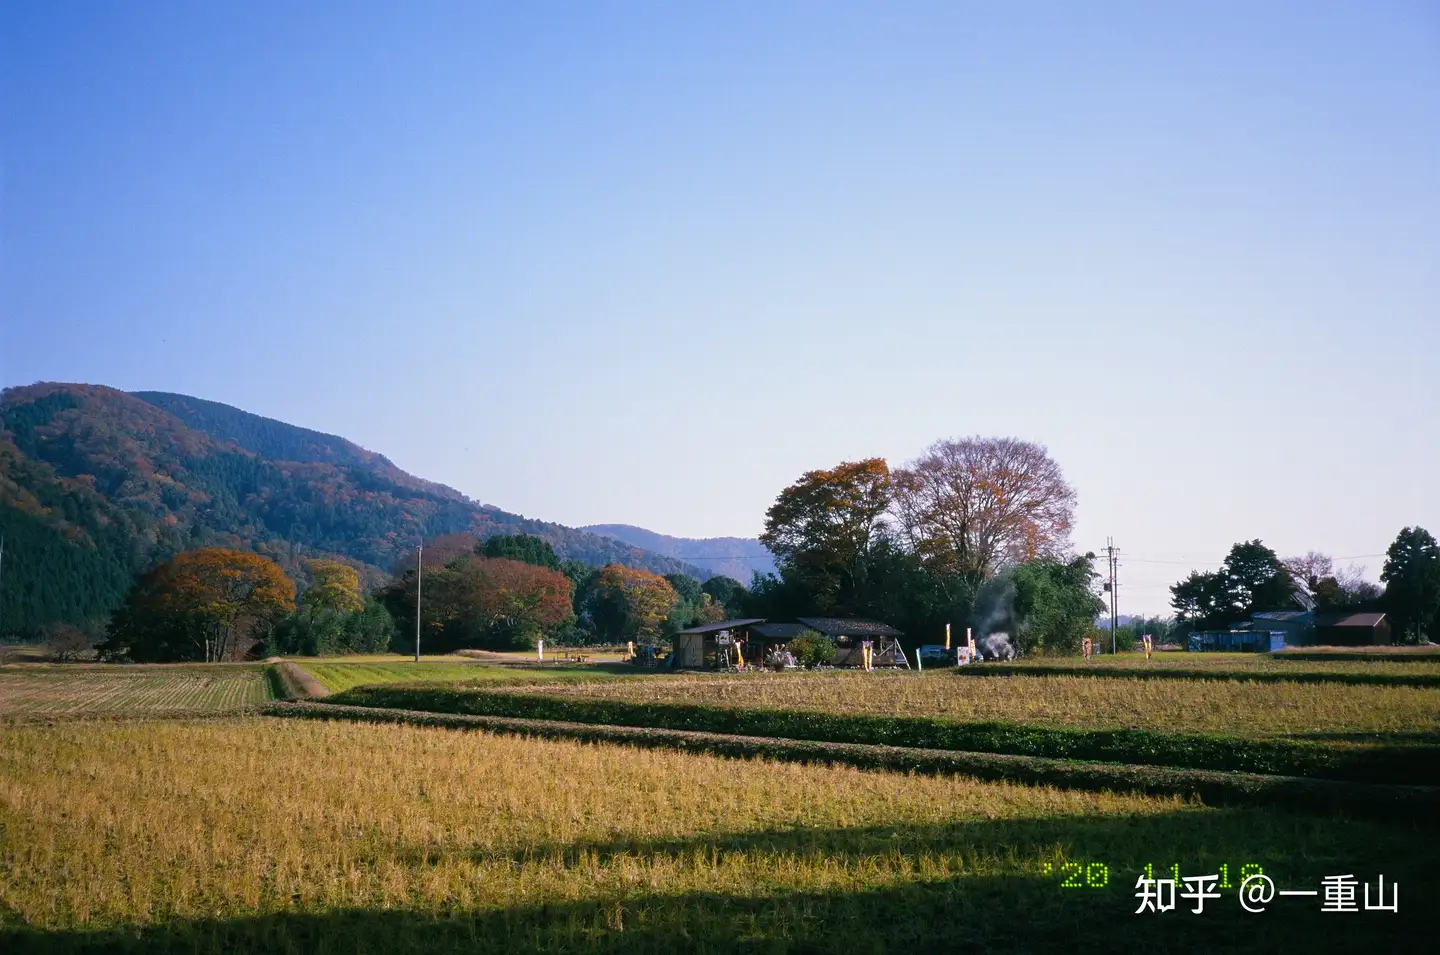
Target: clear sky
{"x":646,"y":263}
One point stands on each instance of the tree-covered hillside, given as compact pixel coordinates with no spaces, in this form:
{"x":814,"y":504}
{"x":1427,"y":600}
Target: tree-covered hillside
{"x":97,"y":485}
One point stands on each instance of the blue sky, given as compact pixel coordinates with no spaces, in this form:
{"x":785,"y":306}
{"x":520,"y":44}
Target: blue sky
{"x":647,"y":263}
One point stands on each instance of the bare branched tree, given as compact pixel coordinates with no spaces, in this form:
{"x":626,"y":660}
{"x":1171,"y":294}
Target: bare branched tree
{"x":1310,"y":568}
{"x":973,"y":505}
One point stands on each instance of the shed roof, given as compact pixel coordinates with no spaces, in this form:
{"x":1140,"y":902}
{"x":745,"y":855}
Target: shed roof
{"x":719,"y":625}
{"x":779,"y":631}
{"x":1349,"y":619}
{"x":1283,"y":615}
{"x":849,"y":627}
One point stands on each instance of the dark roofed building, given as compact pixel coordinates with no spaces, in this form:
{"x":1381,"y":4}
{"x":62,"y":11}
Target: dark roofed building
{"x":779,"y":632}
{"x":1298,"y":626}
{"x":1351,"y":629}
{"x":850,"y":627}
{"x":719,"y":625}
{"x":710,"y":645}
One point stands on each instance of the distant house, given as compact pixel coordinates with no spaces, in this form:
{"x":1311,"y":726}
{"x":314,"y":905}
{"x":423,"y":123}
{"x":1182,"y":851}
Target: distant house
{"x":1298,"y":626}
{"x":1235,"y":641}
{"x":1351,"y":629}
{"x":714,"y":646}
{"x":850,"y":635}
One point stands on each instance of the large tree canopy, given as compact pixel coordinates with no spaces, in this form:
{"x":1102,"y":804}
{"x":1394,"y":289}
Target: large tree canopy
{"x":483,"y":602}
{"x":973,"y":505}
{"x":1251,"y":580}
{"x":525,"y":548}
{"x":824,"y":528}
{"x":627,"y":602}
{"x":212,"y":604}
{"x":1412,"y":584}
{"x":335,"y":587}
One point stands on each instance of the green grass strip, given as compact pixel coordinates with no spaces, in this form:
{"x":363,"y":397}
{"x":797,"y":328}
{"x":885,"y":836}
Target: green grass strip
{"x":1384,"y":801}
{"x":1415,"y":764}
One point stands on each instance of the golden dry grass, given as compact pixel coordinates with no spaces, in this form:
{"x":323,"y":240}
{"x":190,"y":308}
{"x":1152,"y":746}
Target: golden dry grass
{"x":1223,"y":706}
{"x":262,"y":828}
{"x":151,"y":821}
{"x":77,"y":689}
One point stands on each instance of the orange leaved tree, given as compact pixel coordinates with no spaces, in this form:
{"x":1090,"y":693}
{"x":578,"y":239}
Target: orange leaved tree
{"x":499,"y":603}
{"x":628,"y":602}
{"x":212,"y":604}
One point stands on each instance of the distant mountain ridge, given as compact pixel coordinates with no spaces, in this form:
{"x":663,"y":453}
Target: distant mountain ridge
{"x":737,"y":557}
{"x":97,"y":485}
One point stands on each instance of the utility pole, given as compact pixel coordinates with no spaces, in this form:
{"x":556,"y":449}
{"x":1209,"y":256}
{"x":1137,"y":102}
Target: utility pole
{"x":1112,"y":555}
{"x":419,"y":574}
{"x":2,"y":568}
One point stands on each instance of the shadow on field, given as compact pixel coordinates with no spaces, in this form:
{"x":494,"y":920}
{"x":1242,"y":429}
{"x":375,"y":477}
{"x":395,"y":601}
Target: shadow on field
{"x":934,"y":913}
{"x":1295,"y":847}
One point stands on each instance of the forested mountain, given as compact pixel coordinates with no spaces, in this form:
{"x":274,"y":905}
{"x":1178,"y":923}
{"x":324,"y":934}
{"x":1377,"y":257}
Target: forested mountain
{"x":97,"y":485}
{"x":736,"y":557}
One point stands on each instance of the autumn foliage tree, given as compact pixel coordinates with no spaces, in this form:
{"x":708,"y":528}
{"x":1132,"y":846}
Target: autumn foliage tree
{"x":627,"y":603}
{"x":335,"y":587}
{"x":333,"y":617}
{"x":483,"y":603}
{"x":972,"y":505}
{"x":212,"y":604}
{"x":824,"y":528}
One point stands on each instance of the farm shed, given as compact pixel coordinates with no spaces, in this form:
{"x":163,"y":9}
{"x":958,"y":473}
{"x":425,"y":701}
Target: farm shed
{"x":1297,"y":625}
{"x":711,"y":646}
{"x":765,"y":637}
{"x":1351,"y":629}
{"x":849,"y":635}
{"x":1233,"y":641}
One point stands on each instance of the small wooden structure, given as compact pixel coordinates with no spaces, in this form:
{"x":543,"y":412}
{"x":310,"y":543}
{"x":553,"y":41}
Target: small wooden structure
{"x":715,"y":646}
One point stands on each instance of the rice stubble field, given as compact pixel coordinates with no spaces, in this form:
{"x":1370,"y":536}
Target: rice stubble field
{"x":258,"y":833}
{"x":72,"y":690}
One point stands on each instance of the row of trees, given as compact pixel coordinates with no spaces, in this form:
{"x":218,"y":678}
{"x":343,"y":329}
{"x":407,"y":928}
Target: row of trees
{"x":218,"y":604}
{"x":975,"y":532}
{"x":508,"y":592}
{"x":1253,"y":579}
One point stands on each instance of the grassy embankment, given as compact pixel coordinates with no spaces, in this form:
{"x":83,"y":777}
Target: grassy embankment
{"x":175,"y":837}
{"x":1363,"y":733}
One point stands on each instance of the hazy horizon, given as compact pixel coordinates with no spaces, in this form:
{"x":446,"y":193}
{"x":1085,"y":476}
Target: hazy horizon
{"x":646,"y":265}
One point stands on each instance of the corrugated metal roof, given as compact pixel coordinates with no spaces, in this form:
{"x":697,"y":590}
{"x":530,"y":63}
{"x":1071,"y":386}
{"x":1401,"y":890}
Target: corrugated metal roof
{"x":724,"y":625}
{"x":1348,"y":619}
{"x":779,"y":631}
{"x":849,"y":627}
{"x":1281,"y":615}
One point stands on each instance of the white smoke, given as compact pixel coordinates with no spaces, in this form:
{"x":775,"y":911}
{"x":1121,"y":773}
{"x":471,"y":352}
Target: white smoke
{"x":998,"y":646}
{"x":994,"y":617}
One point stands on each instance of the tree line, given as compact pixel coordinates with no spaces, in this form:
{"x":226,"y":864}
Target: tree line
{"x":1253,"y":579}
{"x":217,"y":604}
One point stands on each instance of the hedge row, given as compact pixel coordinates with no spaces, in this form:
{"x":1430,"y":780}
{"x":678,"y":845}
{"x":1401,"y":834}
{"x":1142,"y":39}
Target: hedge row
{"x":1421,"y":680}
{"x":1385,"y":801}
{"x":1387,"y":764}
